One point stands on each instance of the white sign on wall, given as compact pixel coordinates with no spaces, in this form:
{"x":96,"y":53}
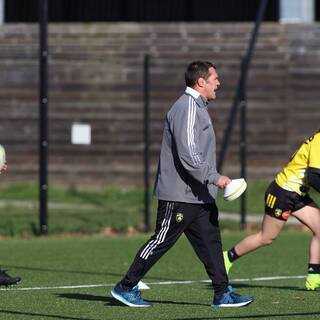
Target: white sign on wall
{"x":297,"y":11}
{"x":1,"y":11}
{"x":80,"y":133}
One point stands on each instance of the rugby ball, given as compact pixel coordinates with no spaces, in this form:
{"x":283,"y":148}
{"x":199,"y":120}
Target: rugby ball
{"x":2,"y":156}
{"x":234,"y":189}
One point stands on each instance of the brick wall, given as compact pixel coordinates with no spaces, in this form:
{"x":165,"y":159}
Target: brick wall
{"x":96,"y":77}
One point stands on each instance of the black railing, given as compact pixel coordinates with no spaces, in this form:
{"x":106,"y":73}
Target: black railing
{"x":43,"y":122}
{"x":146,"y":145}
{"x":241,"y":100}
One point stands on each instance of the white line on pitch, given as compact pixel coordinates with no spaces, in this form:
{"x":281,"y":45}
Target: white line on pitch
{"x":155,"y":283}
{"x":60,"y":287}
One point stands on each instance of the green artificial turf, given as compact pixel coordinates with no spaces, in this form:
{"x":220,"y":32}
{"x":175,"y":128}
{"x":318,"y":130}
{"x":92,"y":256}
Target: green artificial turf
{"x":52,"y":263}
{"x":101,"y":211}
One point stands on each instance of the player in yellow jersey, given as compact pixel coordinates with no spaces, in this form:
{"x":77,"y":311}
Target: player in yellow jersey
{"x":288,"y":195}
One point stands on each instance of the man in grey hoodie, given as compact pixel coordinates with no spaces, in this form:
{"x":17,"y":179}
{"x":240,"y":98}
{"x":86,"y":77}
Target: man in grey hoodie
{"x":186,"y":187}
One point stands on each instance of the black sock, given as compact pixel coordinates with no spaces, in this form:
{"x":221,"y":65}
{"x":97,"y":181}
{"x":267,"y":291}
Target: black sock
{"x":125,"y":286}
{"x":313,"y":268}
{"x":232,"y":255}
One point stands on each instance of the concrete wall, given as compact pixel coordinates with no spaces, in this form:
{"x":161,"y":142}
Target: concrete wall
{"x":96,"y":77}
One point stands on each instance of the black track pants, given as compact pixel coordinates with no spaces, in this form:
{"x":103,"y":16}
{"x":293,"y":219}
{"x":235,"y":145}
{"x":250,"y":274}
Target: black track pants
{"x":200,"y":224}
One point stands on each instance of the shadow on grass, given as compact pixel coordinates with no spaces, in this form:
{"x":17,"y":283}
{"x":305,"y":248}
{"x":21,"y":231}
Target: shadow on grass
{"x":113,"y":302}
{"x":89,"y":297}
{"x":241,"y":286}
{"x":301,"y":315}
{"x":40,"y":315}
{"x":292,"y":288}
{"x":79,"y":296}
{"x":118,"y":275}
{"x":178,"y":303}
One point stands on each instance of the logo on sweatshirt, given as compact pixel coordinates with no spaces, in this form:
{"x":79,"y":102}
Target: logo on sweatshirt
{"x":179,"y":217}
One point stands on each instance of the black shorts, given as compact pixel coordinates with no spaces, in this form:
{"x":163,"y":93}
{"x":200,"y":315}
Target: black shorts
{"x":279,"y":203}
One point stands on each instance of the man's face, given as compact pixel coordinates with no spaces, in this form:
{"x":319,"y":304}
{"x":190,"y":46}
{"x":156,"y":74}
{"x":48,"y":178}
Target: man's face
{"x":211,"y":85}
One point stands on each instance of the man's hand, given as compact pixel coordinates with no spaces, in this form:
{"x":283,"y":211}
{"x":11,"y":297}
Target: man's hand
{"x":223,"y":182}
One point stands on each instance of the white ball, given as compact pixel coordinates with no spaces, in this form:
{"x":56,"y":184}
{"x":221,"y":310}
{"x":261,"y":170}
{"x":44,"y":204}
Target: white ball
{"x":234,"y":189}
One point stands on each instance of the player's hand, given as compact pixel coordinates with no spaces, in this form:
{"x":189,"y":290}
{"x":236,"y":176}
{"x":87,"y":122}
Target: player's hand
{"x":4,"y":168}
{"x":223,"y":182}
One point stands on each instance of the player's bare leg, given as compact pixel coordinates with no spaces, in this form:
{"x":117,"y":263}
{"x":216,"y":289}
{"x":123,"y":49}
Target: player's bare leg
{"x":270,"y":230}
{"x":310,"y":216}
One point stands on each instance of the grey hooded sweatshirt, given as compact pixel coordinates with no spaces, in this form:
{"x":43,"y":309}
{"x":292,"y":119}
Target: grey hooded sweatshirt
{"x":187,"y":165}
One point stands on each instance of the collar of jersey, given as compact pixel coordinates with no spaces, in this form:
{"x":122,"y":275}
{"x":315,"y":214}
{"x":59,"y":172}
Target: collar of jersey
{"x":192,"y":92}
{"x":195,"y":94}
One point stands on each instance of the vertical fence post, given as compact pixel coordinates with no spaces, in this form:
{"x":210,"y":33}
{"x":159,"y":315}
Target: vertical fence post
{"x":243,"y":157}
{"x":243,"y":104}
{"x":240,"y":98}
{"x":146,"y":144}
{"x":43,"y":121}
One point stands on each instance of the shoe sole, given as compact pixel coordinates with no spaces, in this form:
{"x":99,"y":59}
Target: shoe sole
{"x":232,"y":305}
{"x":124,"y":301}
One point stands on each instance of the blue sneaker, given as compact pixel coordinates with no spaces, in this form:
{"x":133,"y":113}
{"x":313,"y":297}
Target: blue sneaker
{"x":230,"y":299}
{"x":131,"y":297}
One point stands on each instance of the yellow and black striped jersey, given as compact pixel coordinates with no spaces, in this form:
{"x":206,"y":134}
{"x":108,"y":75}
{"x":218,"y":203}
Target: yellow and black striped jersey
{"x":294,"y":176}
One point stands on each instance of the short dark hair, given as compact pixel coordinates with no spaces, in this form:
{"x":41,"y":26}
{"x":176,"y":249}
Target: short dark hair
{"x":196,"y":70}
